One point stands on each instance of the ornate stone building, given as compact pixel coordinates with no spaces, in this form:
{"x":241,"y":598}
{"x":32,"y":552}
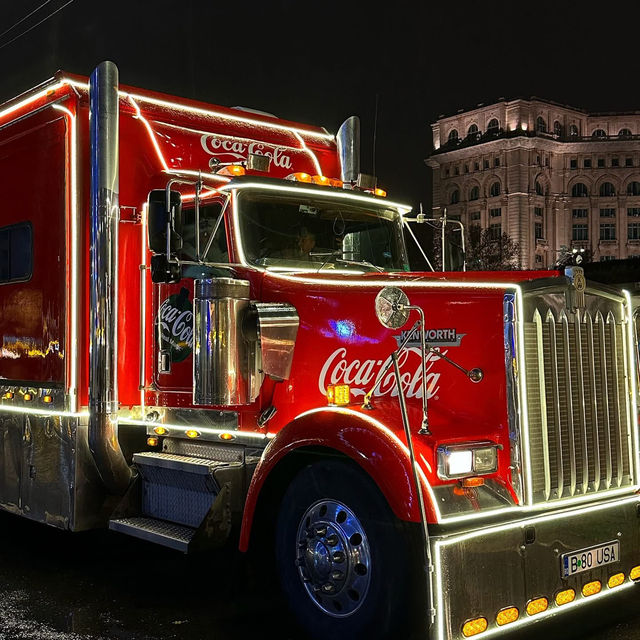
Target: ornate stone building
{"x":552,"y":177}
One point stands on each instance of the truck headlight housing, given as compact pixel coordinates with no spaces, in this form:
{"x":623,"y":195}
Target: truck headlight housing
{"x":467,"y":459}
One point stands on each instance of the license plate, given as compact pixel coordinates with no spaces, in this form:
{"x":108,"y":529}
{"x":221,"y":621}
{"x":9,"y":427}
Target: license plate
{"x":590,"y":558}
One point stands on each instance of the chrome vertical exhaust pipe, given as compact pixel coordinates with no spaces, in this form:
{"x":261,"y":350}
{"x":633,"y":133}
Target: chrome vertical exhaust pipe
{"x":348,"y":139}
{"x":103,"y":331}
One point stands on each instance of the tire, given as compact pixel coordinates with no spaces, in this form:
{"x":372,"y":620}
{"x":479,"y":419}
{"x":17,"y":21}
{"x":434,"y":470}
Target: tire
{"x":348,"y":567}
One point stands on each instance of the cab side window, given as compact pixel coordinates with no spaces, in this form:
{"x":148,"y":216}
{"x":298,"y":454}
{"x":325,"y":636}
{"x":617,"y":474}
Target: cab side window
{"x":218,"y":252}
{"x":16,"y":252}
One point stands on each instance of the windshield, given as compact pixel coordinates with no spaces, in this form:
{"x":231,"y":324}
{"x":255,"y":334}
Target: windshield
{"x":301,"y":231}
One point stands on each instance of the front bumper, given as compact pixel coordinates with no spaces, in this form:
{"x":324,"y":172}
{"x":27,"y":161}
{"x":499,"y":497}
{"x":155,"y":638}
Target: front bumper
{"x":479,"y":572}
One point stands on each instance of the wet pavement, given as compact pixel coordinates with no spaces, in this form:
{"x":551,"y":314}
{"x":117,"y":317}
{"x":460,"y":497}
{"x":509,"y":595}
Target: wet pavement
{"x":100,"y":585}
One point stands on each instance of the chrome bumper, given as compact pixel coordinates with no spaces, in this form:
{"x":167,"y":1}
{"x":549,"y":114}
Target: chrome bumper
{"x":479,"y":572}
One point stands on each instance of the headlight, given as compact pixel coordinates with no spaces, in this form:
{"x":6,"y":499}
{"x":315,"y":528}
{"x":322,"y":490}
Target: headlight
{"x":467,"y":459}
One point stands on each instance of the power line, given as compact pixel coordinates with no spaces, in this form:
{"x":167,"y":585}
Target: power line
{"x":23,"y":19}
{"x":36,"y":24}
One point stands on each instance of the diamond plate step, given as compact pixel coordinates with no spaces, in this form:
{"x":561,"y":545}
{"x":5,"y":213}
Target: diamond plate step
{"x":177,"y":462}
{"x":161,"y":532}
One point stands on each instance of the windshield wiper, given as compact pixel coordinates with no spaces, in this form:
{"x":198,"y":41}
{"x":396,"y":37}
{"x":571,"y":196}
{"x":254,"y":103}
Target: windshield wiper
{"x":337,"y":255}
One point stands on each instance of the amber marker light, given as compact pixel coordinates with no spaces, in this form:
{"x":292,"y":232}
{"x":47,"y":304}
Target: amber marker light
{"x":192,"y":433}
{"x":152,"y":441}
{"x":27,"y":397}
{"x":321,"y":180}
{"x":338,"y":394}
{"x":299,"y":176}
{"x":565,"y":597}
{"x":334,"y":182}
{"x":591,"y":588}
{"x":507,"y":615}
{"x":161,"y":431}
{"x":615,"y":580}
{"x":381,"y":193}
{"x":472,"y":482}
{"x":47,"y":399}
{"x":474,"y":627}
{"x":226,"y":436}
{"x":634,"y":574}
{"x":537,"y":606}
{"x":8,"y":395}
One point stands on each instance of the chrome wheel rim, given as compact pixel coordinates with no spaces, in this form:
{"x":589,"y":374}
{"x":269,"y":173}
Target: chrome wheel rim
{"x":333,"y":558}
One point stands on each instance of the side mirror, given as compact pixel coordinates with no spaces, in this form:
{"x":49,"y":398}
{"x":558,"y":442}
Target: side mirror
{"x":159,"y":220}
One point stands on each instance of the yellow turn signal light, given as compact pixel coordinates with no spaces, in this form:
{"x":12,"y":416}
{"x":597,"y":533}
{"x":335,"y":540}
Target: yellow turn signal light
{"x":299,"y":176}
{"x":507,"y":615}
{"x":161,"y":431}
{"x":565,"y":597}
{"x":537,"y":606}
{"x":27,"y":397}
{"x":226,"y":436}
{"x":591,"y":588}
{"x":47,"y":399}
{"x":232,"y":170}
{"x":9,"y":396}
{"x":635,"y":573}
{"x":474,"y":627}
{"x":615,"y":580}
{"x":152,"y":441}
{"x":336,"y":183}
{"x":381,"y":193}
{"x":338,"y":394}
{"x":321,"y":180}
{"x":192,"y":433}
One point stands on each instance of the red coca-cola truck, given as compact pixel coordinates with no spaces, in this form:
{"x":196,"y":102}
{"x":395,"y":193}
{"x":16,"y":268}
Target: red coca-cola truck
{"x":209,"y":328}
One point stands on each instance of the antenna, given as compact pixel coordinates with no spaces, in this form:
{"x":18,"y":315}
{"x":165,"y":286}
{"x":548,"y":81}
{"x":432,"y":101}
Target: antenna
{"x":375,"y":130}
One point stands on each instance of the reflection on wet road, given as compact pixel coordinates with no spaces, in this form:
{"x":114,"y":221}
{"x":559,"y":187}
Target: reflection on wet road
{"x":100,"y":585}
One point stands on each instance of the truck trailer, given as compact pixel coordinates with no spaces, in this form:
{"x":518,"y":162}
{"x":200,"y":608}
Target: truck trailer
{"x":210,"y":332}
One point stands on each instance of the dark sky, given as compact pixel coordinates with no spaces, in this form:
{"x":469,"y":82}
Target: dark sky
{"x":318,"y":63}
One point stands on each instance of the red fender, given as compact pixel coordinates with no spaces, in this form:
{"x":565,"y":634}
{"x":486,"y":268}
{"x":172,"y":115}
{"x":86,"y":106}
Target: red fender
{"x":369,"y":443}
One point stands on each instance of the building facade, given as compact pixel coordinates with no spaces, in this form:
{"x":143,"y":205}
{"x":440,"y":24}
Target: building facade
{"x":552,"y":177}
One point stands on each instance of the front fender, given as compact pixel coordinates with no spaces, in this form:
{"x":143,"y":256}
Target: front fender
{"x":363,"y":439}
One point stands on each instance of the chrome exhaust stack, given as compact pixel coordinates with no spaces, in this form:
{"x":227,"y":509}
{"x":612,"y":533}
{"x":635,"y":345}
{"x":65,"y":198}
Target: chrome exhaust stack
{"x":103,"y":332}
{"x":348,"y":139}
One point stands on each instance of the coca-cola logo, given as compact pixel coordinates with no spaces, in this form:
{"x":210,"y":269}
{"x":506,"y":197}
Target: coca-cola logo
{"x":233,"y":149}
{"x":175,"y":325}
{"x":361,"y":375}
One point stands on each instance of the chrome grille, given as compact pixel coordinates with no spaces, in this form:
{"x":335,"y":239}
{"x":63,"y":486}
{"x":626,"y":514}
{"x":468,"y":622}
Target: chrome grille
{"x":578,"y":396}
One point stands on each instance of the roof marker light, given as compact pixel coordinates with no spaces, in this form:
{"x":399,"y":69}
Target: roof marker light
{"x":231,"y":170}
{"x":299,"y":176}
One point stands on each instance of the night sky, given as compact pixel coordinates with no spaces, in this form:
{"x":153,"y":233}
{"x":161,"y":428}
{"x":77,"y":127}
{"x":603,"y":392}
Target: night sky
{"x":318,"y":63}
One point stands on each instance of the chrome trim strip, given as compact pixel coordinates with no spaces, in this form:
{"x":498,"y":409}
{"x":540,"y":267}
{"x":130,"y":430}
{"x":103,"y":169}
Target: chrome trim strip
{"x":611,"y":322}
{"x":553,"y":349}
{"x":537,"y":320}
{"x":569,"y":400}
{"x":604,"y":389}
{"x":581,"y":400}
{"x":588,"y":320}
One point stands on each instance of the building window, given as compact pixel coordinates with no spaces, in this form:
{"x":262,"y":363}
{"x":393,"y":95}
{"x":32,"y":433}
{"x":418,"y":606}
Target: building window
{"x":557,"y":129}
{"x":579,"y":190}
{"x":476,"y":166}
{"x":475,"y":215}
{"x":615,"y":162}
{"x":16,"y":252}
{"x":608,"y":231}
{"x":633,"y":189}
{"x":537,"y":231}
{"x":608,"y":213}
{"x":624,"y":133}
{"x":472,"y":130}
{"x":446,"y":172}
{"x":541,"y":125}
{"x":495,"y":213}
{"x":466,"y":168}
{"x":607,"y":258}
{"x":546,"y":161}
{"x":457,"y":171}
{"x":573,"y":163}
{"x":599,"y":133}
{"x":474,"y":193}
{"x":538,"y":258}
{"x":607,"y":189}
{"x":493,"y":126}
{"x":455,"y":197}
{"x":586,"y":163}
{"x":539,"y":190}
{"x":453,"y":135}
{"x":580,"y":213}
{"x":573,"y":130}
{"x":633,"y":231}
{"x":494,"y":190}
{"x":496,"y":162}
{"x":580,"y":232}
{"x":628,"y":162}
{"x":633,"y":212}
{"x":537,"y":211}
{"x":495,"y":231}
{"x":600,"y":163}
{"x":486,"y":164}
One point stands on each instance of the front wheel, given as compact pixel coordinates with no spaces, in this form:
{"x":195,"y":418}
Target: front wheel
{"x":348,"y":566}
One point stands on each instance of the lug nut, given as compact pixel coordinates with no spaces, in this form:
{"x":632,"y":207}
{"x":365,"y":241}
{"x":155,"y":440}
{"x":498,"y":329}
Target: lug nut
{"x":332,"y":540}
{"x":328,"y":588}
{"x":337,"y":575}
{"x":321,"y":532}
{"x":338,"y":556}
